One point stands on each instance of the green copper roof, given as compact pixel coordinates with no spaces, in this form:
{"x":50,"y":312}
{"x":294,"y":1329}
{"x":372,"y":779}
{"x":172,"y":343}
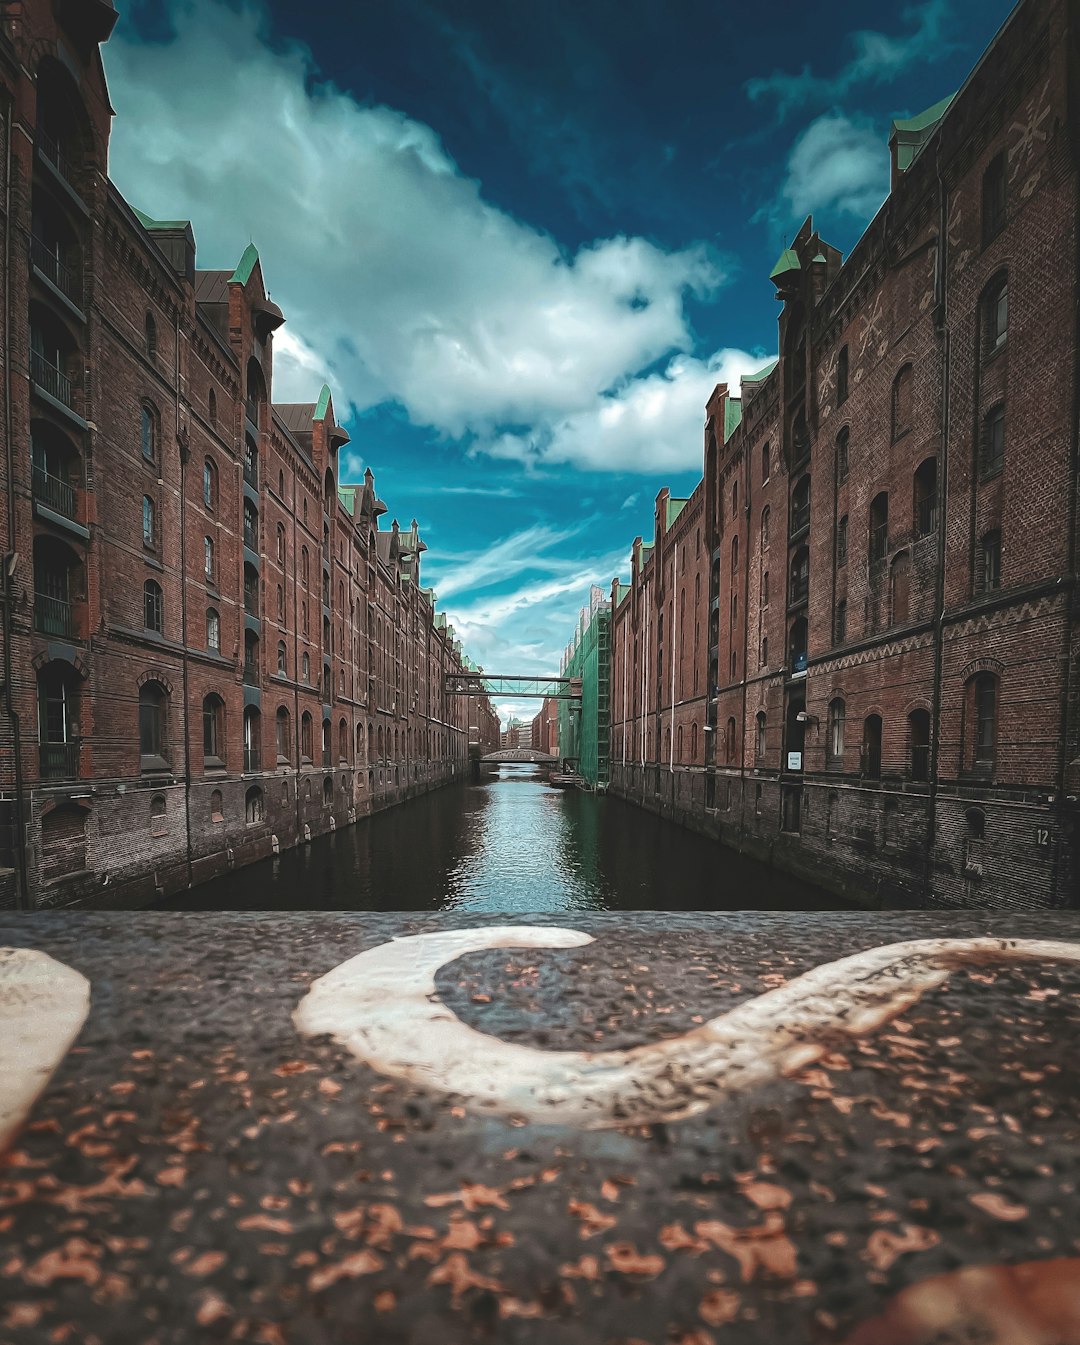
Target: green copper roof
{"x":347,"y":496}
{"x":821,"y":257}
{"x":732,"y":416}
{"x":926,"y":119}
{"x":246,"y":265}
{"x":788,"y":262}
{"x":323,"y":403}
{"x":151,"y":224}
{"x":674,"y":509}
{"x":762,"y":374}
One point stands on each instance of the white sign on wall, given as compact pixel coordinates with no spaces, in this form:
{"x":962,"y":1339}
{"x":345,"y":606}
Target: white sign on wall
{"x":794,"y":761}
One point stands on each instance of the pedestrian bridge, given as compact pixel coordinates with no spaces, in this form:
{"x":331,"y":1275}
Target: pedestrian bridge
{"x":521,"y":754}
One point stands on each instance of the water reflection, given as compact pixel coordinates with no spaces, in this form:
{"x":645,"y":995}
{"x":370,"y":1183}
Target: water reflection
{"x":509,"y":843}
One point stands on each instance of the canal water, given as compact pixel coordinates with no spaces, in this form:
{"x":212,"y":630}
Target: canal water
{"x":512,"y":842}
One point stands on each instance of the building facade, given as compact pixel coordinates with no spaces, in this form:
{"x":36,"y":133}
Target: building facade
{"x":584,"y":727}
{"x":889,"y":531}
{"x":212,"y":647}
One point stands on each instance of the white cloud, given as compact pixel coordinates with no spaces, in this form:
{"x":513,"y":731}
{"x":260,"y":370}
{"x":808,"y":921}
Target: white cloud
{"x":649,"y":424}
{"x":839,"y":165}
{"x":399,"y":281}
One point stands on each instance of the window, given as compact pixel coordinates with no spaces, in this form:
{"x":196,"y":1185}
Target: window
{"x":879,"y":526}
{"x":254,"y":807}
{"x":251,"y":526}
{"x":872,"y":747}
{"x":902,"y":397}
{"x":841,"y":543}
{"x":147,"y":434}
{"x":281,"y":485}
{"x":926,"y":498}
{"x":799,"y":588}
{"x":211,"y":404}
{"x":208,"y":559}
{"x":729,"y":740}
{"x":919,"y":739}
{"x":306,"y":736}
{"x":149,"y":521}
{"x":734,"y":555}
{"x":975,"y":819}
{"x":985,"y":707}
{"x":306,"y":665}
{"x":800,"y":506}
{"x":988,"y":569}
{"x":764,"y":651}
{"x":280,"y":603}
{"x":209,"y":484}
{"x":343,"y":741}
{"x":216,"y":807}
{"x":213,"y":631}
{"x":282,"y":734}
{"x":995,"y":315}
{"x":734,"y":664}
{"x":280,"y":544}
{"x":765,"y":528}
{"x":734,"y":607}
{"x":842,"y":377}
{"x":992,"y":448}
{"x":840,"y":622}
{"x":764,"y":462}
{"x":152,"y":708}
{"x":842,"y":441}
{"x":797,"y":651}
{"x":282,"y":657}
{"x":153,"y":606}
{"x":734,"y":498}
{"x":304,"y":564}
{"x":837,"y":716}
{"x":993,"y":198}
{"x":213,"y":733}
{"x":150,"y":335}
{"x":759,"y":736}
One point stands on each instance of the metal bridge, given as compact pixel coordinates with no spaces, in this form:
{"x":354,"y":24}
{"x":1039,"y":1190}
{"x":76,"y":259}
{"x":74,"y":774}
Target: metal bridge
{"x":521,"y":754}
{"x":492,"y":684}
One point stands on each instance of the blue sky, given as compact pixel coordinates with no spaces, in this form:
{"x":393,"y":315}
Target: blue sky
{"x":522,"y":242}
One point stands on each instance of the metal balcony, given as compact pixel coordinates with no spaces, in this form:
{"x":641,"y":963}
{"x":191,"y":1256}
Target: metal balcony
{"x":251,"y":674}
{"x":50,"y":379}
{"x":55,"y":493}
{"x":251,"y":474}
{"x":60,"y":761}
{"x":49,"y":264}
{"x":49,"y":148}
{"x":800,"y":519}
{"x":251,"y":537}
{"x":54,"y":616}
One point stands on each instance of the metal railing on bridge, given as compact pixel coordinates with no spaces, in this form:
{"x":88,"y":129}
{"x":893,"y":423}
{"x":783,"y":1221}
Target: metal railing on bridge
{"x":493,"y":684}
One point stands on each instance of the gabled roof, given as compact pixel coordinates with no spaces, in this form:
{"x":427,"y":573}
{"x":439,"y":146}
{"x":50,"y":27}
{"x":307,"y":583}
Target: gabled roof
{"x":245,"y":265}
{"x":156,"y":225}
{"x":786,"y":263}
{"x":296,"y":416}
{"x":674,"y":509}
{"x":732,"y":416}
{"x":910,"y":135}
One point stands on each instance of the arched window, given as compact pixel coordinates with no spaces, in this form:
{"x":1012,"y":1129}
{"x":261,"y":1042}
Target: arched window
{"x":211,"y":405}
{"x":252,"y":738}
{"x":208,"y":559}
{"x":281,"y":485}
{"x":993,"y":198}
{"x":734,"y":555}
{"x":900,"y":588}
{"x":879,"y":525}
{"x":149,"y":522}
{"x":256,"y":390}
{"x":213,"y":630}
{"x":58,"y":721}
{"x":343,"y":741}
{"x":994,"y":315}
{"x":759,"y":736}
{"x":284,"y":745}
{"x":734,"y":498}
{"x":926,"y":497}
{"x":992,"y":442}
{"x":800,"y":506}
{"x":981,"y":708}
{"x":872,"y":747}
{"x":764,"y":462}
{"x":919,"y":742}
{"x":903,"y":401}
{"x":153,"y":606}
{"x":213,"y":710}
{"x":306,"y":730}
{"x":835,"y":744}
{"x":305,"y":664}
{"x":280,"y":544}
{"x":843,"y":442}
{"x":282,"y":657}
{"x":209,"y":484}
{"x":975,"y":820}
{"x":254,"y":806}
{"x":216,"y":807}
{"x":148,"y":433}
{"x":765,"y":528}
{"x":150,"y":335}
{"x":729,"y":740}
{"x":842,"y":377}
{"x":841,"y":543}
{"x":765,"y":589}
{"x":304,"y":564}
{"x":693,"y":742}
{"x":988,"y":562}
{"x":328,"y":791}
{"x":153,"y":741}
{"x":797,"y":651}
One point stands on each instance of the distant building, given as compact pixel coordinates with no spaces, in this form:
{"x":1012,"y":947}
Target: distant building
{"x":585,"y":726}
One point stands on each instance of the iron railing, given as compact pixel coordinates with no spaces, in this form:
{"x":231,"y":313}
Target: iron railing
{"x":50,"y":149}
{"x":927,"y":515}
{"x":50,"y":379}
{"x":251,"y":674}
{"x":60,"y":761}
{"x":251,"y":473}
{"x":800,"y":519}
{"x":53,"y":616}
{"x":49,"y":264}
{"x":55,"y":493}
{"x":251,"y":535}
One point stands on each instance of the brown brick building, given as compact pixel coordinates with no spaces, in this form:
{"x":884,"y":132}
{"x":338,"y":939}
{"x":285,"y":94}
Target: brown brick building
{"x":889,"y":531}
{"x":212,"y":647}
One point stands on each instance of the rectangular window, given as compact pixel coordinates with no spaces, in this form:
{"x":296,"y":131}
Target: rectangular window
{"x":993,"y":445}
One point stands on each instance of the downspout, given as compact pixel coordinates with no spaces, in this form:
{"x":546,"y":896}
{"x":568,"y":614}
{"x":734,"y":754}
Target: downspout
{"x":940,"y":314}
{"x":184,"y":454}
{"x":22,"y":883}
{"x":674,"y":647}
{"x":747,"y":478}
